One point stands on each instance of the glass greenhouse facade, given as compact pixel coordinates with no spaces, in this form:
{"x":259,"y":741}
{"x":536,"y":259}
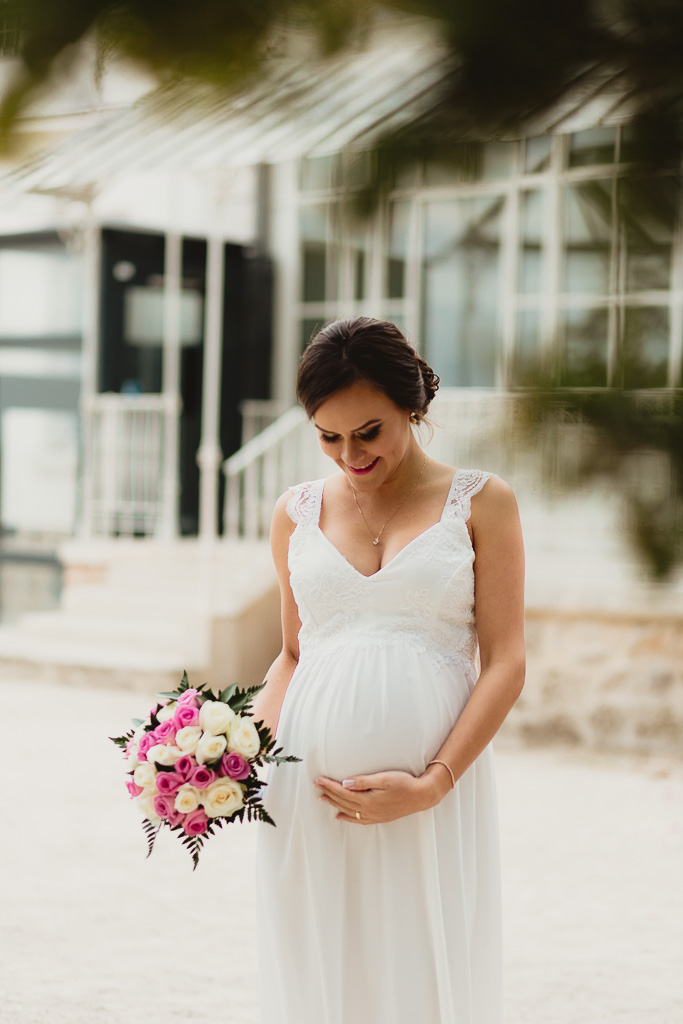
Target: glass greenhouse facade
{"x":505,"y":257}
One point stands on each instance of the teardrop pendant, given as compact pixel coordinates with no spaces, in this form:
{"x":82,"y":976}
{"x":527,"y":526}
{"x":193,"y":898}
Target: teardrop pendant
{"x":376,"y":541}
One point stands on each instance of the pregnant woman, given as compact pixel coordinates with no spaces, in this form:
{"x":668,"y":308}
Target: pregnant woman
{"x":379,"y":890}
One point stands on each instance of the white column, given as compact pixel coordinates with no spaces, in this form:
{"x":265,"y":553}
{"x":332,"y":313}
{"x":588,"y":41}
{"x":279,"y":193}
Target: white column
{"x":285,"y":248}
{"x":171,"y":383}
{"x":209,"y":454}
{"x":89,"y":355}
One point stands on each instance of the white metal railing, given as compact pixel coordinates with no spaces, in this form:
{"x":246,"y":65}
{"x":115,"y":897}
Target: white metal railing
{"x":284,"y":453}
{"x":257,"y":414}
{"x":126,"y":465}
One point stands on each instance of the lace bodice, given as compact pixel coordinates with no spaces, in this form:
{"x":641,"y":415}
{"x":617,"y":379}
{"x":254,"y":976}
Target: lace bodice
{"x":423,"y":597}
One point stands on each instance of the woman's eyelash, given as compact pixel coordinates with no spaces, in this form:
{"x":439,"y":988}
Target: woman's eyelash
{"x":369,"y":436}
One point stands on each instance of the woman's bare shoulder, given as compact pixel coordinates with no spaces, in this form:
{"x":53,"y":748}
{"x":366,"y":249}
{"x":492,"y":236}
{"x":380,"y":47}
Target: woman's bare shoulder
{"x":282,"y":522}
{"x":494,"y":504}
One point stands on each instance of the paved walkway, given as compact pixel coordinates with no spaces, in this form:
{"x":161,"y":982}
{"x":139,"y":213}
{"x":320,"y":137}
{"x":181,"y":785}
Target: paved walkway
{"x":92,"y":933}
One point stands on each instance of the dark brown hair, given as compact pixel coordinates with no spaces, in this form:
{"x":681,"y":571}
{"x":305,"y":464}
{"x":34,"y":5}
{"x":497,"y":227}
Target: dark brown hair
{"x":360,"y":348}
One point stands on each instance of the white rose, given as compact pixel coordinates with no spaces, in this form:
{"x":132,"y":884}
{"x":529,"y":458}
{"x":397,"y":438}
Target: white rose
{"x":145,"y":804}
{"x":168,"y":711}
{"x":187,"y":738}
{"x":222,"y":798}
{"x":132,"y":759}
{"x":215,"y":716}
{"x":162,"y":754}
{"x":187,"y":799}
{"x":144,"y":774}
{"x":244,"y":738}
{"x":210,"y":748}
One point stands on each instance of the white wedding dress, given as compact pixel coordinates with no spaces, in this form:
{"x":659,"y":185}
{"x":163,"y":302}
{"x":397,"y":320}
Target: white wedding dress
{"x":396,"y":923}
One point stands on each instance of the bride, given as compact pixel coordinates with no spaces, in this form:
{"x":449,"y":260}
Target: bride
{"x":379,"y":890}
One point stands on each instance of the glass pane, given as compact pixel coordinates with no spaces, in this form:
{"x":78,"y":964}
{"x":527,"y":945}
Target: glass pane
{"x":399,"y":224}
{"x":649,"y":211}
{"x":532,"y":228}
{"x":594,"y":146}
{"x":317,"y":172}
{"x":360,"y":261}
{"x":401,"y":322}
{"x":461,"y":287}
{"x":143,"y":315}
{"x":497,"y":160}
{"x":313,"y":231}
{"x":537,"y":154}
{"x":587,"y":236}
{"x":645,"y":347}
{"x":40,"y":293}
{"x":358,"y":170}
{"x":452,"y":164}
{"x":584,"y":350}
{"x":405,"y":169}
{"x":526,"y":354}
{"x":637,"y":146}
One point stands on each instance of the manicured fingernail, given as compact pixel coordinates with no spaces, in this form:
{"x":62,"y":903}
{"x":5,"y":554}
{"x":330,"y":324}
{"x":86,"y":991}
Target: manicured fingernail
{"x":348,"y":783}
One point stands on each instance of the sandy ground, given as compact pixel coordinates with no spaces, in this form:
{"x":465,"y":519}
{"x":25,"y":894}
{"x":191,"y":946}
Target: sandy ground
{"x":92,"y":933}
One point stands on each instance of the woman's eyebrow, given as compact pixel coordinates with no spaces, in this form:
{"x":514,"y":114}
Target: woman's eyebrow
{"x":368,"y":424}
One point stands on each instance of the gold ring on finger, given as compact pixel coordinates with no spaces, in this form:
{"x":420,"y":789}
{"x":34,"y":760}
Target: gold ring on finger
{"x":358,"y":815}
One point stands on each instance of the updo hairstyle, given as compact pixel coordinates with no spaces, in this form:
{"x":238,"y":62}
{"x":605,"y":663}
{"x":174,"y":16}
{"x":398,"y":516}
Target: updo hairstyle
{"x":360,"y":348}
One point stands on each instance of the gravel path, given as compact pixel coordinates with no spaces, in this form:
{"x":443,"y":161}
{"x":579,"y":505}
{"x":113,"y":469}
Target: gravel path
{"x":92,"y":933}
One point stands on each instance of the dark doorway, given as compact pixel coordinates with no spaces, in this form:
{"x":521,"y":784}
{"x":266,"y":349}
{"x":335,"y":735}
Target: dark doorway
{"x":132,"y":329}
{"x":131,"y":337}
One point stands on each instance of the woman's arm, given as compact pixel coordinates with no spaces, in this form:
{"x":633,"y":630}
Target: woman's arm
{"x":499,"y":613}
{"x":267,"y":703}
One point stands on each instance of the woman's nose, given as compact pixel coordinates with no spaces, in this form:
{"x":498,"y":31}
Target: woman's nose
{"x":351,"y":451}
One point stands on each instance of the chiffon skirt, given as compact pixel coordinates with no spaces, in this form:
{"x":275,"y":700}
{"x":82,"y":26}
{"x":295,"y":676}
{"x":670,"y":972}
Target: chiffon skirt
{"x":396,"y":923}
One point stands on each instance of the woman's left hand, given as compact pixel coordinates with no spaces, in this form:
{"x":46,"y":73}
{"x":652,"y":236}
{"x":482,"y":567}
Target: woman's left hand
{"x":381,"y":797}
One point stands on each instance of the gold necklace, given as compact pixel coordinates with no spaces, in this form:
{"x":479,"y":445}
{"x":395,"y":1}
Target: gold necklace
{"x":375,"y":539}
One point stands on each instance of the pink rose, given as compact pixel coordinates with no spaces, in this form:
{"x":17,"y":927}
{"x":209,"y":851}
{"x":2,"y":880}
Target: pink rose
{"x":184,"y":767}
{"x":163,"y":806}
{"x":196,"y":823}
{"x":189,"y":697}
{"x":133,"y":789}
{"x":235,"y":766}
{"x":165,"y":731}
{"x":186,"y":714}
{"x":148,"y":740}
{"x":168,"y":783}
{"x":175,"y":817}
{"x":202,"y":777}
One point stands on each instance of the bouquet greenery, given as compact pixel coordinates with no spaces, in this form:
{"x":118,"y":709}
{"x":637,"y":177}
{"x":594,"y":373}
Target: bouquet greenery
{"x":191,"y":765}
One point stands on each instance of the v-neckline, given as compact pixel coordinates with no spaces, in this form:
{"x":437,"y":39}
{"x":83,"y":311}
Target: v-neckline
{"x":372,"y":575}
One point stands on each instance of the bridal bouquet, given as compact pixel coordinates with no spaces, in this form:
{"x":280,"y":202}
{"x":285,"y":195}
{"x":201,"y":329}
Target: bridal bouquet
{"x":192,"y":764}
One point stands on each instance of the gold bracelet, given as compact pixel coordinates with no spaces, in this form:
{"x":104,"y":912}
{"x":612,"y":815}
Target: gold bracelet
{"x":448,"y":769}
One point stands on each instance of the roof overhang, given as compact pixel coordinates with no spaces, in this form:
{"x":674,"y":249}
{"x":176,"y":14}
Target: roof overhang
{"x":296,"y":111}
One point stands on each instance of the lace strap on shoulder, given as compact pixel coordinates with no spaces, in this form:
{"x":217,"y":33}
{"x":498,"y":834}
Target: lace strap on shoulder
{"x":466,"y":483}
{"x":304,"y":505}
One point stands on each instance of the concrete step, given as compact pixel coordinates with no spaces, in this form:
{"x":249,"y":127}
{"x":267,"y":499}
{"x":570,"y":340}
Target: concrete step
{"x":137,"y":613}
{"x":106,"y":600}
{"x":180,"y":637}
{"x":21,"y":645}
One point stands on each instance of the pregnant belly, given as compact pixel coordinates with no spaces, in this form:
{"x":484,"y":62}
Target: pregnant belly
{"x":371,"y":710}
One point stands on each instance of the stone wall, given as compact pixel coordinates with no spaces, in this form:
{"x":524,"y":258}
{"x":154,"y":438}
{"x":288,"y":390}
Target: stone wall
{"x":602,"y":680}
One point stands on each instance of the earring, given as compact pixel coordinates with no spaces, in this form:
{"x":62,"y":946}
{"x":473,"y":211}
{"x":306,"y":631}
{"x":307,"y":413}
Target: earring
{"x":413,"y":417}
